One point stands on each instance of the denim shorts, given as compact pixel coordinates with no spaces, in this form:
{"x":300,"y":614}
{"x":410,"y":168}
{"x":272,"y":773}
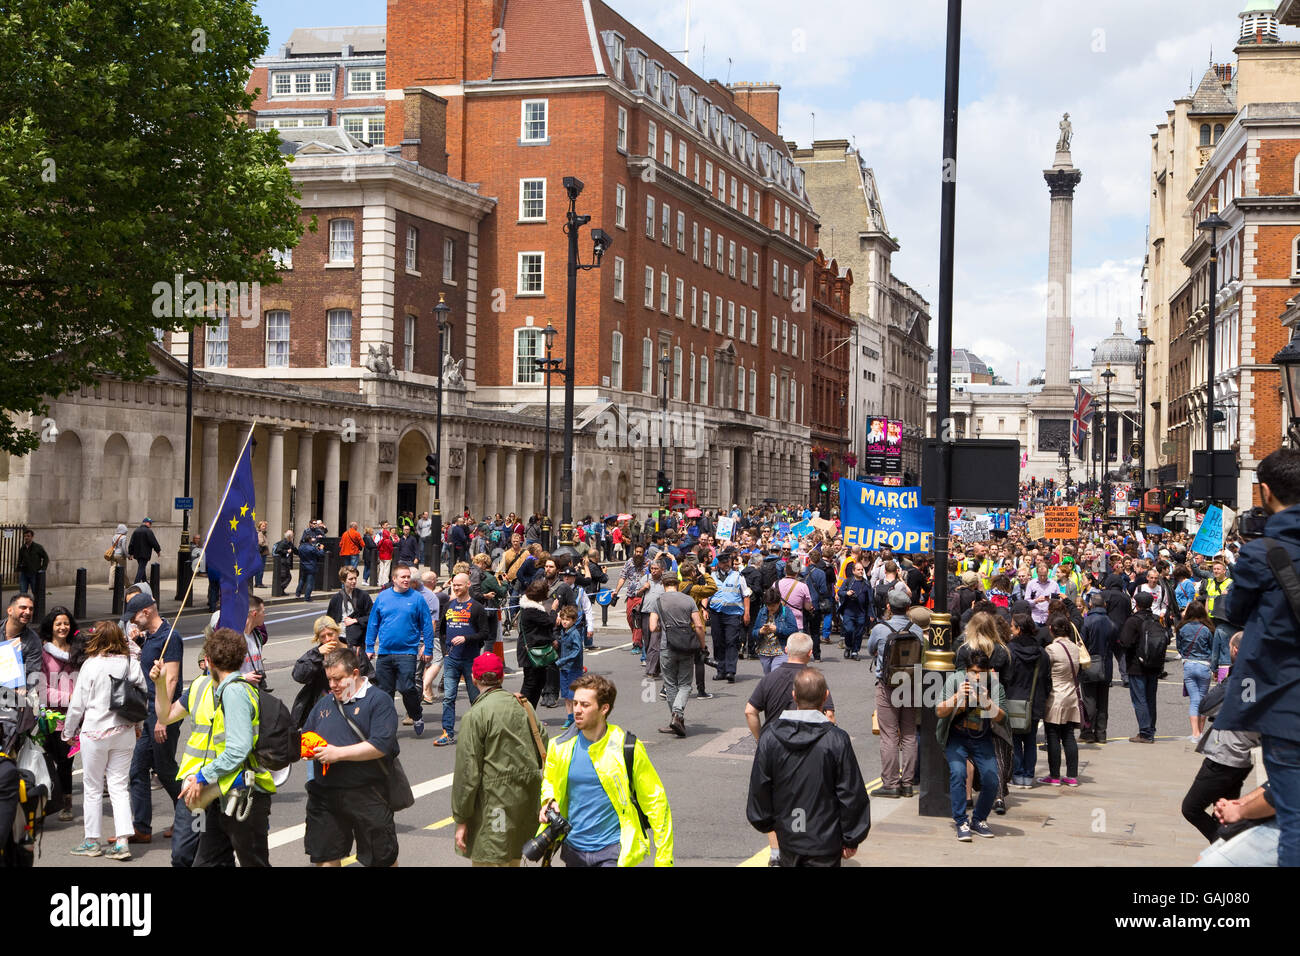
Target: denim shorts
{"x":567,"y":676}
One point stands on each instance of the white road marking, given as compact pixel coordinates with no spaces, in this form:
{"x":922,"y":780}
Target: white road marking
{"x":621,"y":647}
{"x":292,"y":834}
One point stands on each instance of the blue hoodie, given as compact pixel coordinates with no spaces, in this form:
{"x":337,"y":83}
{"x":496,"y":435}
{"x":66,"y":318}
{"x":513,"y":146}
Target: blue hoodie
{"x":399,"y":622}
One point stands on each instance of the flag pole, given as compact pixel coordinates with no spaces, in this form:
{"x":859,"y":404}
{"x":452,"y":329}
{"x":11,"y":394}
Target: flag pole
{"x":216,"y":515}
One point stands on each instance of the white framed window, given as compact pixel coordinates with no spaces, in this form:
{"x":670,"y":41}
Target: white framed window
{"x":532,"y":200}
{"x":668,"y":149}
{"x":338,"y":343}
{"x":681,"y":231}
{"x":408,"y":344}
{"x":753,"y":270}
{"x":731,"y":259}
{"x":281,"y":84}
{"x":704,"y":379}
{"x":681,"y":157}
{"x":717,"y":251}
{"x":695,"y":242}
{"x":753,"y":389}
{"x":794,"y":404}
{"x":679,"y":289}
{"x":649,"y":287}
{"x":731,"y":318}
{"x":697,"y":169}
{"x":277,"y":339}
{"x":740,"y":388}
{"x":785,"y":336}
{"x":722,"y":185}
{"x":786,"y":219}
{"x":368,"y":127}
{"x":647,"y":366}
{"x":695,"y":300}
{"x":690,"y":373}
{"x":1295,"y":257}
{"x":717,"y":311}
{"x":412,"y":248}
{"x":744,"y":323}
{"x":616,"y":360}
{"x":785,"y":281}
{"x":776,"y":213}
{"x":649,"y":217}
{"x":531,"y":273}
{"x":448,"y":259}
{"x":370,"y":80}
{"x":776,"y":277}
{"x":744,"y":266}
{"x":663,"y":292}
{"x":656,"y":80}
{"x":620,"y":206}
{"x":532,"y":126}
{"x":666,"y":224}
{"x":618,"y":279}
{"x":618,"y":56}
{"x":283,"y":258}
{"x":774,"y":333}
{"x":744,"y":198}
{"x":217,"y":342}
{"x":528,"y":348}
{"x":733,"y":192}
{"x":771,"y":396}
{"x":704,"y":321}
{"x":305,"y":82}
{"x":794,"y":339}
{"x":341,"y":231}
{"x":622,"y":128}
{"x":677,"y":373}
{"x":798,"y":234}
{"x":708,"y":248}
{"x":708,"y":175}
{"x":651,"y":139}
{"x":753,"y":326}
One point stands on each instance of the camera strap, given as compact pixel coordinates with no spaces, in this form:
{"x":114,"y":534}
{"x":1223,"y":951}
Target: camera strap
{"x":1279,"y":560}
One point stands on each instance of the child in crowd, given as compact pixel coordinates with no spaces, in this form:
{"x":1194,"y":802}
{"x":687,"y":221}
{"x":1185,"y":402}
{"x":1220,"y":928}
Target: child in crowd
{"x":570,"y":660}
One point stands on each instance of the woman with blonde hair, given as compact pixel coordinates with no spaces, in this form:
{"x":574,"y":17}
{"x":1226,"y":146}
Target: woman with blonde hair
{"x":984,"y":632}
{"x":309,"y":670}
{"x":107,"y":739}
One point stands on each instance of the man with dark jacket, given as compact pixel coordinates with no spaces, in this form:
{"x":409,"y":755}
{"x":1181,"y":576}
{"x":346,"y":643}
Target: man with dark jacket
{"x":408,"y":548}
{"x":142,"y":548}
{"x":309,"y":561}
{"x":1099,"y":637}
{"x":805,"y":784}
{"x":350,"y":606}
{"x":458,"y":538}
{"x":1142,"y":680}
{"x":1119,"y":607}
{"x":818,"y":591}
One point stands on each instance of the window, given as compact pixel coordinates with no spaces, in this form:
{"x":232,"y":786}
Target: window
{"x":649,"y":287}
{"x":753,"y":389}
{"x":1295,"y":257}
{"x":731,"y":318}
{"x":681,"y":157}
{"x":677,"y":374}
{"x":744,"y":199}
{"x":307,"y":82}
{"x":647,"y":366}
{"x":651,"y":139}
{"x":620,"y":206}
{"x":776,"y":276}
{"x":281,"y":84}
{"x":722,"y":185}
{"x":338,"y":345}
{"x":704,"y":322}
{"x":744,"y":266}
{"x":717,"y":311}
{"x":718,"y":253}
{"x":754,"y":270}
{"x":277,"y":339}
{"x":530,"y":273}
{"x":449,"y":261}
{"x":694,"y":306}
{"x":1218,"y":131}
{"x":733,"y":192}
{"x":656,"y":80}
{"x":797,"y":232}
{"x":704,"y":379}
{"x":217,"y":339}
{"x":618,"y":56}
{"x":670,"y":92}
{"x":528,"y":348}
{"x":753,"y":328}
{"x":366,"y":81}
{"x":368,"y":127}
{"x":740,"y":388}
{"x":341,"y":240}
{"x":283,"y":258}
{"x":774,"y":333}
{"x":618,"y":279}
{"x":708,"y":175}
{"x":785,"y":282}
{"x":668,"y":149}
{"x":532,"y":200}
{"x":771,"y":396}
{"x":412,"y":247}
{"x":533,"y":125}
{"x":697,"y":169}
{"x":744,"y":323}
{"x":787,"y":220}
{"x":691,"y":378}
{"x":667,"y":224}
{"x":731,"y":260}
{"x":681,"y":232}
{"x":695,"y":242}
{"x":708,"y":248}
{"x":622,"y":129}
{"x":680,"y":297}
{"x":776,"y":214}
{"x":785,"y":336}
{"x":794,"y":407}
{"x":663,"y":292}
{"x":408,"y":344}
{"x":794,"y":339}
{"x":649,"y":217}
{"x":616,"y":360}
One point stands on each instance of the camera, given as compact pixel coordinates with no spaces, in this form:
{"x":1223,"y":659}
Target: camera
{"x":1250,"y":524}
{"x":541,"y":845}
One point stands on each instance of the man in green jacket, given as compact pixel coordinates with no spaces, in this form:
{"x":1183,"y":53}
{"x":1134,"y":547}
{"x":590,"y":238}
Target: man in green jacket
{"x":498,"y":780}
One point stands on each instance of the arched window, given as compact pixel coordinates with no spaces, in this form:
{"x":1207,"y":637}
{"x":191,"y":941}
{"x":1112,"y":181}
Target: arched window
{"x":1205,"y":134}
{"x":1218,"y":131}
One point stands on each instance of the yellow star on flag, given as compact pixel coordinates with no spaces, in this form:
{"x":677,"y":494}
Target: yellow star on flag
{"x":238,"y":572}
{"x":234,"y":523}
{"x":243,"y":510}
{"x":254,"y":515}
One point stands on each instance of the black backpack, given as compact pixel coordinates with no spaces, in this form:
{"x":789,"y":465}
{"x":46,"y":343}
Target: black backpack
{"x":767,"y":575}
{"x":1151,"y":645}
{"x":903,"y":651}
{"x":279,"y":741}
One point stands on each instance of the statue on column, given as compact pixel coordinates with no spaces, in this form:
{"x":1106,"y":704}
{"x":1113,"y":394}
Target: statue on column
{"x":451,"y":372}
{"x":1067,"y":134}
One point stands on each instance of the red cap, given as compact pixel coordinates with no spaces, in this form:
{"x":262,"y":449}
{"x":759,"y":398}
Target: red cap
{"x":488,"y":664}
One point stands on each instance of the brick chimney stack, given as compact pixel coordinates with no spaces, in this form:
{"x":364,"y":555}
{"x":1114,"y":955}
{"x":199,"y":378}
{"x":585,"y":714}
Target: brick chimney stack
{"x":424,"y":132}
{"x":759,"y":100}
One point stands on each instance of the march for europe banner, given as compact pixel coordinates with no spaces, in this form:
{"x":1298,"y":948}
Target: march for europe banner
{"x":232,"y":551}
{"x":872,"y":516}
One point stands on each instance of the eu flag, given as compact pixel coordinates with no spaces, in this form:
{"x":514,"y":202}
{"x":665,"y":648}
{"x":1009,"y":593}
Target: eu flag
{"x":232,"y":551}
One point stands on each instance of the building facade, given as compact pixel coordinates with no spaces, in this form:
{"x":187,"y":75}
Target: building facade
{"x":831,"y":301}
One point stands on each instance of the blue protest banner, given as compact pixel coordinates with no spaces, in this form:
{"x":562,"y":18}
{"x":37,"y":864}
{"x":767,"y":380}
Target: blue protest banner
{"x":783,"y":528}
{"x":802,"y":528}
{"x":1209,"y":540}
{"x":873,"y":516}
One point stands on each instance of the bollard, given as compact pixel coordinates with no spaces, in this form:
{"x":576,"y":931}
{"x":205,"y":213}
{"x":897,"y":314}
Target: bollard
{"x":155,"y":580}
{"x":604,"y":615}
{"x":39,"y":597}
{"x":119,"y":590}
{"x":277,"y":589}
{"x":79,"y":596}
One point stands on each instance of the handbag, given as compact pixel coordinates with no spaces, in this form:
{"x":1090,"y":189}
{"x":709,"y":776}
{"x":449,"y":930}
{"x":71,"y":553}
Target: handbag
{"x":397,"y":794}
{"x":1020,"y":713}
{"x":543,"y":656}
{"x":127,"y":700}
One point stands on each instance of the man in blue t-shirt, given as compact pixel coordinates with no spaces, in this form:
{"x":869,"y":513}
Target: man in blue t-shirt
{"x":155,"y":749}
{"x":464,"y":628}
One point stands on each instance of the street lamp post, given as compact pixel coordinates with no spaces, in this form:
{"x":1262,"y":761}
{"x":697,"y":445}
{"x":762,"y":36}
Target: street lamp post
{"x":184,"y":568}
{"x":1143,"y":343}
{"x":601,"y":242}
{"x":1213,"y":223}
{"x":442,"y":310}
{"x":1108,"y":376}
{"x":665,"y":364}
{"x":1288,"y":360}
{"x":548,"y":366}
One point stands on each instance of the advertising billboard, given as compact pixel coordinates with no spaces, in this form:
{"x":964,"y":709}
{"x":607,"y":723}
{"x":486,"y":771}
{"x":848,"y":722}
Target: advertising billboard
{"x":884,"y":447}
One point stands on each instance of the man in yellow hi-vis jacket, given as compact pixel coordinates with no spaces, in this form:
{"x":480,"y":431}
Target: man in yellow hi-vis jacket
{"x":586,"y":779}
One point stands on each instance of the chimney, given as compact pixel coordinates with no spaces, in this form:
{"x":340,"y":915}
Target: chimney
{"x":759,"y":100}
{"x":424,"y":131}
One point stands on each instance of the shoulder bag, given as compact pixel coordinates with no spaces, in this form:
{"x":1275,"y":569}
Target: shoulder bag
{"x":1084,"y":720}
{"x":536,"y":730}
{"x":126,"y":699}
{"x":397,"y":794}
{"x":1020,"y":713}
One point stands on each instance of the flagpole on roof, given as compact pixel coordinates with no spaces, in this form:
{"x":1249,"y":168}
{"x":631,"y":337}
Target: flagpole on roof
{"x":215,"y":515}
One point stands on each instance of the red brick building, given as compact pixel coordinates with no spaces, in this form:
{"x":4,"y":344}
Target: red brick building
{"x":832,"y":328}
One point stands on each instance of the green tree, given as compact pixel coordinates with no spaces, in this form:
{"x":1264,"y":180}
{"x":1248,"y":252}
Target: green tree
{"x":123,"y":163}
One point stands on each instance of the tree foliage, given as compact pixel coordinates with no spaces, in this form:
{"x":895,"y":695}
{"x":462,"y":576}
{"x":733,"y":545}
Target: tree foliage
{"x":123,"y":162}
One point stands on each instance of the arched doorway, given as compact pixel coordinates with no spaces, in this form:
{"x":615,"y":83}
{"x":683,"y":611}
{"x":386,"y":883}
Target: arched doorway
{"x":64,"y":487}
{"x":413,"y":493}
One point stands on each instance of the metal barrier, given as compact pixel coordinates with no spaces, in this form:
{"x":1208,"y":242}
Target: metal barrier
{"x":11,"y":539}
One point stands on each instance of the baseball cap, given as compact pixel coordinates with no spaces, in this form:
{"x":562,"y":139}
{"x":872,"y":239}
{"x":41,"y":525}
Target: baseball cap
{"x":488,"y":664}
{"x":139,"y":603}
{"x":970,"y":579}
{"x":899,"y":601}
{"x":146,"y":520}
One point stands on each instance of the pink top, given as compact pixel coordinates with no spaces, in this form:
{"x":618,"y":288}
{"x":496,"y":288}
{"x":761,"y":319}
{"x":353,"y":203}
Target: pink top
{"x":59,"y":680}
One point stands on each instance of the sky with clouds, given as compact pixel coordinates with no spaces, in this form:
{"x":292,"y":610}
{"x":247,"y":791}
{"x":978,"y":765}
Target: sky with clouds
{"x":872,"y":72}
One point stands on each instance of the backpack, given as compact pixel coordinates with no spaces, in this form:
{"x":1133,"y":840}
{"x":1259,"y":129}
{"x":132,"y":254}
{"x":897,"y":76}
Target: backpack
{"x":1151,"y":644}
{"x":279,"y":742}
{"x":766,"y":575}
{"x":903,"y":651}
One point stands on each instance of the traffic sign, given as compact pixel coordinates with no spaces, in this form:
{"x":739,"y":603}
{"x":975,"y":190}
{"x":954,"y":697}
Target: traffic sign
{"x":184,"y":504}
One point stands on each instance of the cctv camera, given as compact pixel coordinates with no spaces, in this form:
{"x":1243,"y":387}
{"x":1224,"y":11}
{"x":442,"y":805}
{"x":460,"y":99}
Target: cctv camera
{"x":573,"y":185}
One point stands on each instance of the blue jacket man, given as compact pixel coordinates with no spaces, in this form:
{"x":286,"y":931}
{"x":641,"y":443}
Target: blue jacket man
{"x":1099,"y":635}
{"x":309,"y":558}
{"x":1263,"y":690}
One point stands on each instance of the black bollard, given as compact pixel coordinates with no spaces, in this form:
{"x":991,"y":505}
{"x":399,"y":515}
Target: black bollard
{"x":79,"y":596}
{"x":277,"y":589}
{"x":39,"y":596}
{"x":155,"y":580}
{"x":604,"y":615}
{"x":119,"y":590}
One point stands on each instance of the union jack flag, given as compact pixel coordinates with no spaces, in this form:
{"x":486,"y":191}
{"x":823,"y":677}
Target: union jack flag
{"x":1082,"y":420}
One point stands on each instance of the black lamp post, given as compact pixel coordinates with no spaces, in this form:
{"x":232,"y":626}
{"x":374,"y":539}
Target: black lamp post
{"x":442,"y":310}
{"x":1108,"y":376}
{"x":601,"y":242}
{"x":548,"y":366}
{"x":184,"y":568}
{"x":1143,"y":343}
{"x":665,"y":364}
{"x":1288,"y":359}
{"x":1213,"y":224}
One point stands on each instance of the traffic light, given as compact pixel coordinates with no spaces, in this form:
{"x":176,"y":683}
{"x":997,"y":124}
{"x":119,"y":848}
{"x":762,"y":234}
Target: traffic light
{"x":431,"y":470}
{"x":661,"y":483}
{"x":823,"y":476}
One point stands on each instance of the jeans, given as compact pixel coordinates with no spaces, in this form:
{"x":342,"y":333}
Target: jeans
{"x":1024,"y":752}
{"x":397,"y":672}
{"x":141,"y":571}
{"x":898,"y":745}
{"x":1259,"y":846}
{"x":1282,"y":761}
{"x":653,"y":651}
{"x":1214,"y":781}
{"x":308,"y":583}
{"x":827,"y":621}
{"x":225,"y":836}
{"x":214,"y":592}
{"x":1196,"y":680}
{"x":606,"y":856}
{"x":853,"y":621}
{"x":677,"y":667}
{"x":160,"y":758}
{"x":1142,"y":691}
{"x":26,"y":583}
{"x":186,"y":832}
{"x":979,"y":751}
{"x":728,"y":630}
{"x":1096,"y":701}
{"x":1061,"y":736}
{"x":813,"y":626}
{"x":453,"y":669}
{"x":106,"y":766}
